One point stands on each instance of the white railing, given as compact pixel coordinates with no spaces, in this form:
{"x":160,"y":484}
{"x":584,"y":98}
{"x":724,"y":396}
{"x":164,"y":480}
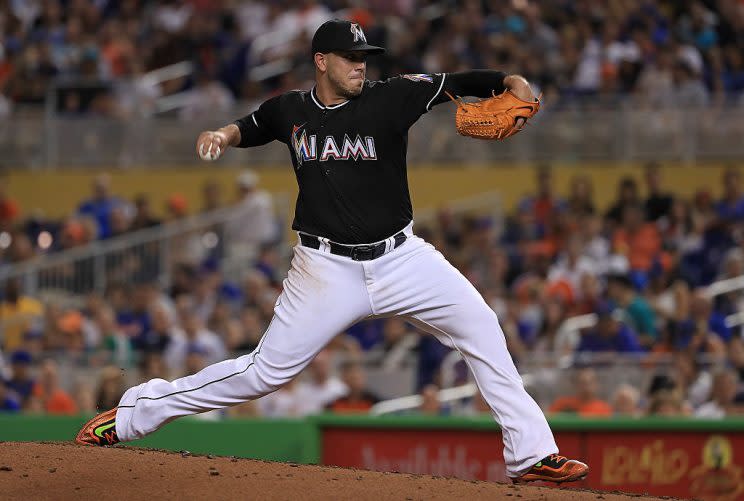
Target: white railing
{"x":139,"y":256}
{"x":414,"y":401}
{"x":558,"y":136}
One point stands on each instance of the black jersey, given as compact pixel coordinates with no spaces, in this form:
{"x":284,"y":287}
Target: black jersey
{"x":349,"y":158}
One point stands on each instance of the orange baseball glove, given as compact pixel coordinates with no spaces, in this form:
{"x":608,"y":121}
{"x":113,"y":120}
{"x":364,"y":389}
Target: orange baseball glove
{"x":494,"y":117}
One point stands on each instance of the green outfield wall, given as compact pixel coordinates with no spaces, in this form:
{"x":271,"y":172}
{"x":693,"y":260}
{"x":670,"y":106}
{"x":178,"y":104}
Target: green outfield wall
{"x":290,"y":440}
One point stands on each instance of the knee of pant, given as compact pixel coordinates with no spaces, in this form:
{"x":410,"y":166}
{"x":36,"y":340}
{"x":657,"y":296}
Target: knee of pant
{"x":271,"y":377}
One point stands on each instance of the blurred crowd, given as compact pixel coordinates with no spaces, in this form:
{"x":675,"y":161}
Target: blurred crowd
{"x":25,"y":235}
{"x":638,"y":275}
{"x":660,"y":53}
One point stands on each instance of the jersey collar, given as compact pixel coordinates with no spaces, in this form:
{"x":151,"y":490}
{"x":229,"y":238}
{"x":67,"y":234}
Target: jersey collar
{"x":321,"y":106}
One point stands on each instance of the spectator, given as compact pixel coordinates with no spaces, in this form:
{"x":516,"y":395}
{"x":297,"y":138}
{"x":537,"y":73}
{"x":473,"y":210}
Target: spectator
{"x":596,"y":245}
{"x":143,"y":217}
{"x":116,"y":345}
{"x":627,"y":195}
{"x":320,"y":387}
{"x":358,"y":400}
{"x":731,"y":207}
{"x":7,"y":402}
{"x":211,"y":195}
{"x":639,"y":241}
{"x":704,"y":330}
{"x":636,"y":311}
{"x":254,"y":222}
{"x":668,"y":404}
{"x":545,"y":203}
{"x":18,"y":314}
{"x":208,"y":96}
{"x":110,"y":388}
{"x":694,"y":379}
{"x":476,"y":406}
{"x":21,"y":384}
{"x":9,"y":210}
{"x":572,"y":264}
{"x":252,"y":327}
{"x":736,"y":355}
{"x":192,"y":336}
{"x":430,"y":403}
{"x":723,"y":397}
{"x":689,"y":91}
{"x":658,"y":203}
{"x":397,"y":345}
{"x":100,"y":206}
{"x":609,"y":335}
{"x":176,"y":207}
{"x":157,"y":338}
{"x":20,"y":248}
{"x":48,"y":395}
{"x":581,"y":196}
{"x":625,"y":401}
{"x":585,"y":402}
{"x":85,"y":399}
{"x":152,"y":366}
{"x":285,"y":402}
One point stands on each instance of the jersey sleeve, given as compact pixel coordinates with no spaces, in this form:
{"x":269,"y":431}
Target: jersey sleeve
{"x":410,"y":96}
{"x":261,"y":126}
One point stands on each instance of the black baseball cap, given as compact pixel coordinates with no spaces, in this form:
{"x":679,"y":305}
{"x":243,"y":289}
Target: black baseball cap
{"x":338,"y":34}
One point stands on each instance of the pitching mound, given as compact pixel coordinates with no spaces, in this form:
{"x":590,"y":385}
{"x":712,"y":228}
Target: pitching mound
{"x":66,"y":471}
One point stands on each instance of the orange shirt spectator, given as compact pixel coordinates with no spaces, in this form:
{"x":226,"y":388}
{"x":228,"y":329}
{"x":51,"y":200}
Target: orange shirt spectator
{"x":8,"y":210}
{"x":585,"y":402}
{"x":640,"y":242}
{"x":573,"y":404}
{"x":359,"y":404}
{"x":56,"y":402}
{"x":47,"y":394}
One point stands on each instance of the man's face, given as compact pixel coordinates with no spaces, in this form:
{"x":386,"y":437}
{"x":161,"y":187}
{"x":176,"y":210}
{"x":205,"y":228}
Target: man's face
{"x":346,"y":72}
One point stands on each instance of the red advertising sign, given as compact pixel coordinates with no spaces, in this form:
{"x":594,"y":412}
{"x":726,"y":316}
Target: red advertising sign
{"x":685,"y":464}
{"x":470,"y":455}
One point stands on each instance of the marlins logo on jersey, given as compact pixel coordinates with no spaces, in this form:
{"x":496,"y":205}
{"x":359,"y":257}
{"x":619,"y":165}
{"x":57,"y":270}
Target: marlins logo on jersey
{"x":304,"y":150}
{"x":306,"y":147}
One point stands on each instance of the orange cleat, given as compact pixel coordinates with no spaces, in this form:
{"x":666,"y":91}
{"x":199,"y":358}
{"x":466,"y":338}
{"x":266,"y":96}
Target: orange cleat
{"x":101,"y":430}
{"x":554,"y":468}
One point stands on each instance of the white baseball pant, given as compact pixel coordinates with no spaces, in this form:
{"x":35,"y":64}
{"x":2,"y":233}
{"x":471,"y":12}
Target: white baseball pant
{"x":323,"y":295}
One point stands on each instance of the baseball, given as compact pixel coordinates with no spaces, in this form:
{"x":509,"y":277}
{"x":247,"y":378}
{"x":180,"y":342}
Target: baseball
{"x":209,"y":155}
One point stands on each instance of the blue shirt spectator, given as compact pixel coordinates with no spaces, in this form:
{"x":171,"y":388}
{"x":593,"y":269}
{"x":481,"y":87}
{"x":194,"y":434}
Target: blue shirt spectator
{"x":100,"y":206}
{"x":7,"y":402}
{"x":21,"y":384}
{"x":685,"y":330}
{"x":731,"y":207}
{"x":609,"y":335}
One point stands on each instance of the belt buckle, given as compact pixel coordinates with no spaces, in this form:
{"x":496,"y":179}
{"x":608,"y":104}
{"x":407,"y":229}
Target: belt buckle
{"x":360,"y":252}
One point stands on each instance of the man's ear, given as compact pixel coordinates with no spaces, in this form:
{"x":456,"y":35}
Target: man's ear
{"x":320,"y":61}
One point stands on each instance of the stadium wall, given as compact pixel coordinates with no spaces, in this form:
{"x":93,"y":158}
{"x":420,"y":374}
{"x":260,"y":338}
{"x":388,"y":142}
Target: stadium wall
{"x":58,"y":192}
{"x":292,"y":440}
{"x":661,"y":456}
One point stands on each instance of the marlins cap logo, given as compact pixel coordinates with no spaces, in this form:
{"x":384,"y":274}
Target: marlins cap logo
{"x":356,"y":30}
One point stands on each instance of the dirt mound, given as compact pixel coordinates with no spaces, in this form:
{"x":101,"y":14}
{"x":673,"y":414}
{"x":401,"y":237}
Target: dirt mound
{"x":66,"y":471}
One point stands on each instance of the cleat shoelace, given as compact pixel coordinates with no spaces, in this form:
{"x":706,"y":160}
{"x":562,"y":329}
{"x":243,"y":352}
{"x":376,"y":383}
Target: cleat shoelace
{"x":558,"y":458}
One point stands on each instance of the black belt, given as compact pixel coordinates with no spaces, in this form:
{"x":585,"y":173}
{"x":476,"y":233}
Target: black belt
{"x":355,"y":252}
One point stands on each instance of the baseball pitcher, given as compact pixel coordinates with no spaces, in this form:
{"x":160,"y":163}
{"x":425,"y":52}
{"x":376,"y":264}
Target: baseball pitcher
{"x":357,"y":255}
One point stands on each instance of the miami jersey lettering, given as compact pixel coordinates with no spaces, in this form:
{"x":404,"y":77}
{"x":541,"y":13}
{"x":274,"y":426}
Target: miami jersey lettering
{"x":306,"y":147}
